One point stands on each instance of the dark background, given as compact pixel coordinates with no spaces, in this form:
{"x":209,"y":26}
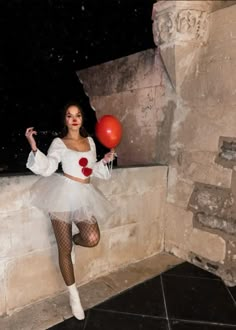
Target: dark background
{"x":43,"y":43}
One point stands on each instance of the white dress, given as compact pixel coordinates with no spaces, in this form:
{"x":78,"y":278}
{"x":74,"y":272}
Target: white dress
{"x":63,"y":198}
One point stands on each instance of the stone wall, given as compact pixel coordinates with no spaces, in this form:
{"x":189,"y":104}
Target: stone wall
{"x":197,"y":44}
{"x":137,"y":91}
{"x":220,"y":4}
{"x":28,"y":260}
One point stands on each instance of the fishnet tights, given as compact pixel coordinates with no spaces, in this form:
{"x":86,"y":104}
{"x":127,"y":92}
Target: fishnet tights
{"x":88,"y":236}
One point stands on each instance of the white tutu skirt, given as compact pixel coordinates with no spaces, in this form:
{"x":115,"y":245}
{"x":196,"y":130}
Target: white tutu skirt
{"x":70,"y":201}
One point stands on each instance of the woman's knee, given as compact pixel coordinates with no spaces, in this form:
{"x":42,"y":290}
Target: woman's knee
{"x":93,"y":238}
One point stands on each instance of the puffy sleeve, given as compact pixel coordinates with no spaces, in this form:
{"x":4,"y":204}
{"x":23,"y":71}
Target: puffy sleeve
{"x":44,"y":165}
{"x":100,"y":170}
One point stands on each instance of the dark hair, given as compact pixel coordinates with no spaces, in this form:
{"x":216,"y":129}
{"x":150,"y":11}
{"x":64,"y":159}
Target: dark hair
{"x":64,"y":131}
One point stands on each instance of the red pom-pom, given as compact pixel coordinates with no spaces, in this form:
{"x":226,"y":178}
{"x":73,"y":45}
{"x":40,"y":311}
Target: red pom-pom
{"x":87,"y":171}
{"x":83,"y":161}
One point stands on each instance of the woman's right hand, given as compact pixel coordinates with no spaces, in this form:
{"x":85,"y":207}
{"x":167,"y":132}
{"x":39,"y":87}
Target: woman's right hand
{"x":29,"y":133}
{"x":110,"y":156}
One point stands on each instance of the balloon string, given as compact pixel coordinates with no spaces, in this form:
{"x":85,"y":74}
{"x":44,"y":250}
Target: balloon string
{"x":110,"y":166}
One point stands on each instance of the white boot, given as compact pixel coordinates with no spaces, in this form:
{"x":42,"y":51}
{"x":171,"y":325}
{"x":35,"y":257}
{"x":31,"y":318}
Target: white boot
{"x":75,"y":304}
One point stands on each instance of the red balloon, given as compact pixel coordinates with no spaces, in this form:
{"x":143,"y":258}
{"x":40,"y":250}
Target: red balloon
{"x":108,"y":130}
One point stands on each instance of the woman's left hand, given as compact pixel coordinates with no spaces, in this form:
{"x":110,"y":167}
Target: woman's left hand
{"x":110,"y":156}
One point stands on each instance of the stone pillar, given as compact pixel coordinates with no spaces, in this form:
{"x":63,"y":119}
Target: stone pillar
{"x":179,"y":29}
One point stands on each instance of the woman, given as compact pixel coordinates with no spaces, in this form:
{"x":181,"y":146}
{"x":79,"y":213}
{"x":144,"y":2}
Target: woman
{"x":70,"y":197}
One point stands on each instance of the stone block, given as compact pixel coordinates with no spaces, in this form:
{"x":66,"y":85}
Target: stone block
{"x":178,"y":227}
{"x":221,"y":22}
{"x":15,"y":192}
{"x":118,"y":247}
{"x":211,"y":200}
{"x":179,"y":189}
{"x":225,"y":226}
{"x":122,"y":246}
{"x":207,"y":245}
{"x":140,"y":70}
{"x":135,"y":180}
{"x":91,"y":263}
{"x":226,"y":156}
{"x":199,"y":166}
{"x":32,"y":277}
{"x":140,"y":271}
{"x":136,"y":208}
{"x":20,"y":230}
{"x":150,"y":238}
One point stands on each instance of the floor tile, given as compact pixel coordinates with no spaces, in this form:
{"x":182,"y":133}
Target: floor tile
{"x":198,"y":299}
{"x":143,"y":299}
{"x":232,"y":290}
{"x":105,"y":320}
{"x":195,"y":300}
{"x":189,"y":270}
{"x":181,"y":325}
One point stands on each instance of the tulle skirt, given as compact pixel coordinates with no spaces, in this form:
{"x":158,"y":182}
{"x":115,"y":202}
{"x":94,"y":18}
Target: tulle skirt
{"x":70,"y":201}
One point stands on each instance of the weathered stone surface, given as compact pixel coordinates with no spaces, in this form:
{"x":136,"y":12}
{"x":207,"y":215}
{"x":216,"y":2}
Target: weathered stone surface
{"x":207,"y":245}
{"x":91,"y":263}
{"x":211,"y":200}
{"x":216,"y":5}
{"x":137,"y":208}
{"x":133,"y":181}
{"x":227,"y":152}
{"x":179,"y":29}
{"x":203,"y":74}
{"x":199,"y":166}
{"x":179,"y":21}
{"x":164,"y":133}
{"x":178,"y":227}
{"x":136,"y":71}
{"x":227,"y":272}
{"x":30,"y":278}
{"x":231,"y":252}
{"x":19,"y":232}
{"x":137,"y":272}
{"x":15,"y":193}
{"x":144,"y":232}
{"x":122,"y":245}
{"x":179,"y":189}
{"x":212,"y":221}
{"x":214,"y":61}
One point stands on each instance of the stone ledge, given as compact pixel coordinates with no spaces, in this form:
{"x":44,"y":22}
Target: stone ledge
{"x":48,"y":312}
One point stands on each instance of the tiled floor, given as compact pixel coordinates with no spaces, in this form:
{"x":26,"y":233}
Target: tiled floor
{"x":183,"y":298}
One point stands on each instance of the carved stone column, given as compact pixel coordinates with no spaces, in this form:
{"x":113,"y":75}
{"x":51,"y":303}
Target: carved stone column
{"x":179,"y":29}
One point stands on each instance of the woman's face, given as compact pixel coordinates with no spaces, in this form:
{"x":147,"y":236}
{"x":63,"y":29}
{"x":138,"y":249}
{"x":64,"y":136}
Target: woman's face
{"x":73,"y":119}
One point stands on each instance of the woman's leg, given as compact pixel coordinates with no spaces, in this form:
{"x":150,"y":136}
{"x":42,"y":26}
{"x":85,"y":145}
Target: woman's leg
{"x":63,"y":234}
{"x":89,"y":233}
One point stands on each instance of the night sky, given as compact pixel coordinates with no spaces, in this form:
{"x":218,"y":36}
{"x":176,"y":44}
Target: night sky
{"x":43,"y":43}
